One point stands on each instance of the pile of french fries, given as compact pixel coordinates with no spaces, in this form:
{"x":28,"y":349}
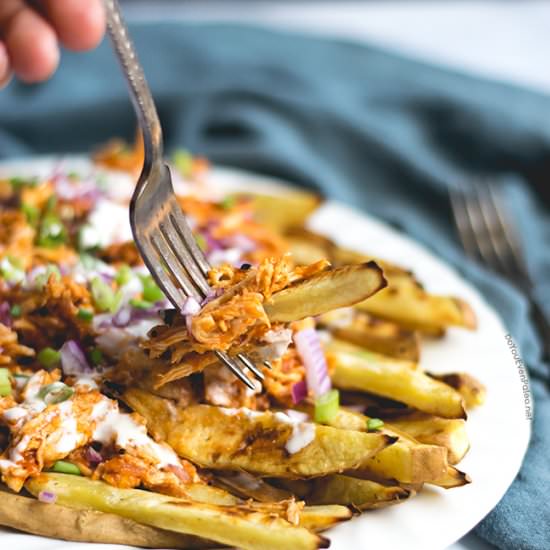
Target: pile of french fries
{"x":398,"y":427}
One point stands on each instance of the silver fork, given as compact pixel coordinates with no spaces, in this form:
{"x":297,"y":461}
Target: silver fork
{"x":488,"y":236}
{"x":160,"y":229}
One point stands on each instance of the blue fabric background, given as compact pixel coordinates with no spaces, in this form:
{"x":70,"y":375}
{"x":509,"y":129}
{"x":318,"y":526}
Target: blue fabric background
{"x":359,"y":124}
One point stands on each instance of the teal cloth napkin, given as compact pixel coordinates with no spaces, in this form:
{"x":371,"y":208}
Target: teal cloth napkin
{"x":384,"y":133}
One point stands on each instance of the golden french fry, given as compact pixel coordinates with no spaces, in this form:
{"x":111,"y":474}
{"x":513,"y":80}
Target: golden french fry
{"x":365,"y":371}
{"x":281,"y":211}
{"x":361,"y":494}
{"x":406,"y":461}
{"x":264,"y":443}
{"x":452,"y":478}
{"x":325,"y":291}
{"x":471,"y":389}
{"x":405,"y":302}
{"x":241,"y":526}
{"x":433,"y":430}
{"x":321,"y":518}
{"x":378,"y":335}
{"x":51,"y":520}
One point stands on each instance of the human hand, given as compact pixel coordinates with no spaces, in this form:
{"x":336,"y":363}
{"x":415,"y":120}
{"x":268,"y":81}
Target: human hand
{"x":31,"y":29}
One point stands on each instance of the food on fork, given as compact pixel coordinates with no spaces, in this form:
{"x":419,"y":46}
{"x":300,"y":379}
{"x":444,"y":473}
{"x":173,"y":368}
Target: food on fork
{"x":117,"y":416}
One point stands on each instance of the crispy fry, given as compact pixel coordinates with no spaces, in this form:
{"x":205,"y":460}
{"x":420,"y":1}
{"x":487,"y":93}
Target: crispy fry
{"x":261,"y":443}
{"x":51,"y":520}
{"x":432,"y":430}
{"x":406,"y":461}
{"x":320,"y":518}
{"x":355,"y":369}
{"x":405,"y":302}
{"x":280,"y":212}
{"x":361,"y":494}
{"x":239,"y":526}
{"x":374,"y":334}
{"x":325,"y":291}
{"x":471,"y":389}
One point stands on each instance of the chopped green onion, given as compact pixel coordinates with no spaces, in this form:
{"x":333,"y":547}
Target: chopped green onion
{"x":18,"y":182}
{"x":124,"y":275}
{"x":15,"y":310}
{"x":51,"y":203}
{"x":49,"y":358}
{"x":54,"y":393}
{"x":96,"y":356}
{"x":151,"y":292}
{"x":31,"y":213}
{"x":326,"y":406}
{"x":105,"y":298}
{"x":21,"y":376}
{"x":73,"y":175}
{"x":228,"y":202}
{"x":85,"y":314}
{"x":5,"y":382}
{"x":41,"y":280}
{"x":183,"y":161}
{"x":201,"y":241}
{"x":141,"y":304}
{"x":64,"y":467}
{"x":11,"y":271}
{"x":374,"y":424}
{"x":52,"y":232}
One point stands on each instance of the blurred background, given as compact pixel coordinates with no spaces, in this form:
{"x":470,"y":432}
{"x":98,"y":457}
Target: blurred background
{"x":502,"y":39}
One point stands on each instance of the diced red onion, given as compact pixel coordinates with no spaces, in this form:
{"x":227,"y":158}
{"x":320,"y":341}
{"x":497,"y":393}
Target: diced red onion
{"x":73,"y":360}
{"x":190,"y":306}
{"x":122,"y":317}
{"x":93,"y":456}
{"x":47,"y":496}
{"x":5,"y":315}
{"x":310,"y":351}
{"x":298,"y":392}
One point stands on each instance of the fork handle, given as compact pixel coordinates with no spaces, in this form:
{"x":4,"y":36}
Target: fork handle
{"x":140,"y":92}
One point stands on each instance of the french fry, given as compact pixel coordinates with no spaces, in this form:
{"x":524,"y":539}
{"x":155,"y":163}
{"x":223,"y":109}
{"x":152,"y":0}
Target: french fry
{"x":406,"y":461}
{"x":361,"y":329}
{"x":321,"y":518}
{"x":433,"y":430}
{"x":246,"y":485}
{"x":280,"y":212}
{"x":239,"y":526}
{"x":471,"y":389}
{"x":325,"y":291}
{"x":361,"y":494}
{"x":260,"y":443}
{"x":452,"y":478}
{"x":51,"y":520}
{"x":405,"y":302}
{"x":306,"y":244}
{"x":355,"y":369}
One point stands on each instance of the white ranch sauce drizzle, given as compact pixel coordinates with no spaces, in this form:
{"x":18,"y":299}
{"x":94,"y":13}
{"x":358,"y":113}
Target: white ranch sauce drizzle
{"x":303,"y":433}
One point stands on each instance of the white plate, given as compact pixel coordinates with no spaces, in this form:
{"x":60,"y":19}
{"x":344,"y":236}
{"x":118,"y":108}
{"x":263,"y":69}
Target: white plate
{"x":499,"y":431}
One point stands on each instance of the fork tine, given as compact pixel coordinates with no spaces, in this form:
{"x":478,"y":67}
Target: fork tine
{"x":235,"y":369}
{"x":509,"y":245}
{"x":268,"y":365}
{"x":255,"y":371}
{"x":462,"y":222}
{"x":173,"y":293}
{"x":170,"y":232}
{"x":186,"y":235}
{"x":174,"y":266}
